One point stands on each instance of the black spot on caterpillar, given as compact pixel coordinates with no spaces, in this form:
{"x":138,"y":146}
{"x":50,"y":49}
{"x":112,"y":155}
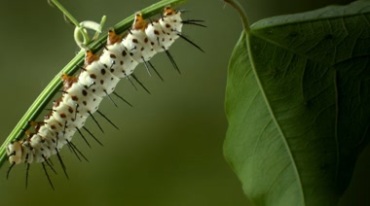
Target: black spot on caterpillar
{"x":83,"y":93}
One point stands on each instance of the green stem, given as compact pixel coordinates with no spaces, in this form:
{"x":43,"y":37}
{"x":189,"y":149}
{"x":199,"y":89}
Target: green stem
{"x":53,"y":87}
{"x":66,"y":13}
{"x":102,"y":22}
{"x":236,"y":5}
{"x":69,"y":16}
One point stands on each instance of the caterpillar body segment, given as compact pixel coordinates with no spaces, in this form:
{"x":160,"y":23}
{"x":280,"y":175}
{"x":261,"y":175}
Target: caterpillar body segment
{"x":83,"y":93}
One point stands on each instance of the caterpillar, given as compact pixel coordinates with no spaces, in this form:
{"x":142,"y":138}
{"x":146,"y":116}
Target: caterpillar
{"x":83,"y":93}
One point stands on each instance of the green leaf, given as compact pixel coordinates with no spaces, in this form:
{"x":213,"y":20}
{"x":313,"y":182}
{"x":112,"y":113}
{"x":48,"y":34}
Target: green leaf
{"x":297,"y":104}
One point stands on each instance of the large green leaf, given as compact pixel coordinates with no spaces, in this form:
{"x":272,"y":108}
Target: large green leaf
{"x":297,"y":103}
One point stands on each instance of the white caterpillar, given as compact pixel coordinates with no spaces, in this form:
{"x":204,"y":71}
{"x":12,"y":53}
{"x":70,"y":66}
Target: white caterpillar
{"x":83,"y":94}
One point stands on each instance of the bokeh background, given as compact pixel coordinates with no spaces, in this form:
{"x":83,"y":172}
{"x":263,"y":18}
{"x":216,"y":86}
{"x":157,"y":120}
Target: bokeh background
{"x":168,"y":150}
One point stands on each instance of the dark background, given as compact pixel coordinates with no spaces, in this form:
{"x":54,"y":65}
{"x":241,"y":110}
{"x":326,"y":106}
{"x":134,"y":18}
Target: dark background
{"x":168,"y":150}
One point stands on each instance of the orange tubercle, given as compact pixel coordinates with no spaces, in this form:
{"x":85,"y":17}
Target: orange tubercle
{"x":90,"y":57}
{"x":68,"y":81}
{"x":113,"y":37}
{"x":168,"y":11}
{"x":28,"y":133}
{"x":139,"y":22}
{"x":36,"y":125}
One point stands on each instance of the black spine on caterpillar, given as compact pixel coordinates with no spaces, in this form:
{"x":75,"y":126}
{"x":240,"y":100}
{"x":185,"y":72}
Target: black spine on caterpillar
{"x":83,"y":94}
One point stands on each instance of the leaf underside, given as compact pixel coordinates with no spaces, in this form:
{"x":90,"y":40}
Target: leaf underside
{"x":297,"y":104}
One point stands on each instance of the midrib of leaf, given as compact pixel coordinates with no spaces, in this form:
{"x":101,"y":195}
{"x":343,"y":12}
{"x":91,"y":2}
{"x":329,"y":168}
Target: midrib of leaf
{"x":270,"y":109}
{"x":336,"y":127}
{"x":262,"y":91}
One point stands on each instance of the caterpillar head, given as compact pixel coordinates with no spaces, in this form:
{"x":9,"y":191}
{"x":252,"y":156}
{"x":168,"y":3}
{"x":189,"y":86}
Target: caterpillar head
{"x":14,"y":152}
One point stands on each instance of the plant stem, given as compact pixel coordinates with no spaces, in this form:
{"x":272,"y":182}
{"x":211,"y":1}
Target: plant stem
{"x":66,"y":12}
{"x":69,"y":16}
{"x":236,"y":5}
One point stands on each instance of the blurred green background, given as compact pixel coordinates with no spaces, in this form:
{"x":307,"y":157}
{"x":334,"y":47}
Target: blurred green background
{"x":168,"y":150}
